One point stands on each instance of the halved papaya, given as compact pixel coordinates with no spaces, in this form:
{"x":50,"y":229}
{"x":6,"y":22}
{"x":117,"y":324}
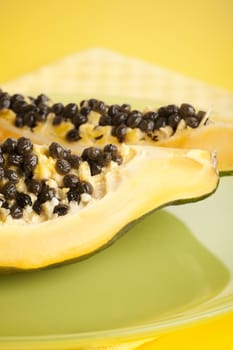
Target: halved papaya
{"x":94,"y":123}
{"x":57,"y":206}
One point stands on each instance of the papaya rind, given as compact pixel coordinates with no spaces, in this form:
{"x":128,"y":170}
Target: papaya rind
{"x":11,"y":270}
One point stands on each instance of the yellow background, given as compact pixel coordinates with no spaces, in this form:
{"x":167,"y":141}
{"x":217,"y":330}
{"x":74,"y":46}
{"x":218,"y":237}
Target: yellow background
{"x":194,"y":38}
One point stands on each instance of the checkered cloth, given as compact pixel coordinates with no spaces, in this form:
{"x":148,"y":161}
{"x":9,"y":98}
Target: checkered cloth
{"x":100,"y":72}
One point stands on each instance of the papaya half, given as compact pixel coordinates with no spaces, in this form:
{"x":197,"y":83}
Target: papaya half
{"x":54,"y":202}
{"x":94,"y":123}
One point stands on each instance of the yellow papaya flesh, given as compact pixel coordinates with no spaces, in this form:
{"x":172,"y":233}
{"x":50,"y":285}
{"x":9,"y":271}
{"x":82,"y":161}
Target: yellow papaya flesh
{"x":93,"y":123}
{"x":139,"y":180}
{"x":215,"y":136}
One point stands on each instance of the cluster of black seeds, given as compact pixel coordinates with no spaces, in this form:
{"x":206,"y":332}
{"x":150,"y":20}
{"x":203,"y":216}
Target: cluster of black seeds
{"x":18,"y":162}
{"x":97,"y":158}
{"x":122,"y":117}
{"x":171,"y":115}
{"x":119,"y":117}
{"x":28,"y":113}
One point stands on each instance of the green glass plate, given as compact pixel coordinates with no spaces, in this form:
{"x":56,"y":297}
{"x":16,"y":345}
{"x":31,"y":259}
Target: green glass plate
{"x":173,"y":267}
